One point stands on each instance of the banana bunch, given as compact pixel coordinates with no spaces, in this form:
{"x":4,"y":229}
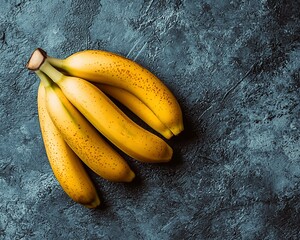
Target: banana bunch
{"x":77,"y":117}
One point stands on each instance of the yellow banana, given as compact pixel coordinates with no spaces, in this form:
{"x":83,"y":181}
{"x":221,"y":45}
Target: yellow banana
{"x":66,"y":166}
{"x":112,"y":69}
{"x":137,"y":107}
{"x":105,"y":115}
{"x":83,"y":139}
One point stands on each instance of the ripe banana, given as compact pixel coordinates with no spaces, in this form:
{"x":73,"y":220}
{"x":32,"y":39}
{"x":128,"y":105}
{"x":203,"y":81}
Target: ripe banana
{"x":137,"y":107}
{"x":104,"y":114}
{"x":66,"y":166}
{"x":112,"y":69}
{"x":83,"y":139}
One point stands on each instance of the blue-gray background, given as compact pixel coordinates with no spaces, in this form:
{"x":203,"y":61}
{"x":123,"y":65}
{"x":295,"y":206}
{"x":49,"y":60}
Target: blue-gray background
{"x":234,"y":67}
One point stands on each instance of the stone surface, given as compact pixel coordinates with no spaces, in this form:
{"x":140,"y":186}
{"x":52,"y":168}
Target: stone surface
{"x":234,"y":67}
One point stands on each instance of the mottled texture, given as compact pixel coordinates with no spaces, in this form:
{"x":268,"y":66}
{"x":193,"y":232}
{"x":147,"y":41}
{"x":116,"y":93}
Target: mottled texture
{"x":234,"y":67}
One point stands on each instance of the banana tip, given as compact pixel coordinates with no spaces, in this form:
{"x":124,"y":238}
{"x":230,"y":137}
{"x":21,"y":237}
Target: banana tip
{"x":178,"y":129}
{"x":130,"y":176}
{"x":93,"y":204}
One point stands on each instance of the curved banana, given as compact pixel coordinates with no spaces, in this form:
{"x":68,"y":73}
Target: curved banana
{"x":66,"y":166}
{"x":83,"y":139}
{"x":112,"y":69}
{"x":105,"y":115}
{"x":137,"y":107}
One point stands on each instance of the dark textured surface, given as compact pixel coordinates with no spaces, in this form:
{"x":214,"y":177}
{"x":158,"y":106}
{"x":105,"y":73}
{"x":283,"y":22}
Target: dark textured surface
{"x":234,"y":67}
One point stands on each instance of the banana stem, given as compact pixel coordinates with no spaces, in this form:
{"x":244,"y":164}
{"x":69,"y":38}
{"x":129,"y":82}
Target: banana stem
{"x":56,"y":62}
{"x":52,"y":72}
{"x":46,"y":81}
